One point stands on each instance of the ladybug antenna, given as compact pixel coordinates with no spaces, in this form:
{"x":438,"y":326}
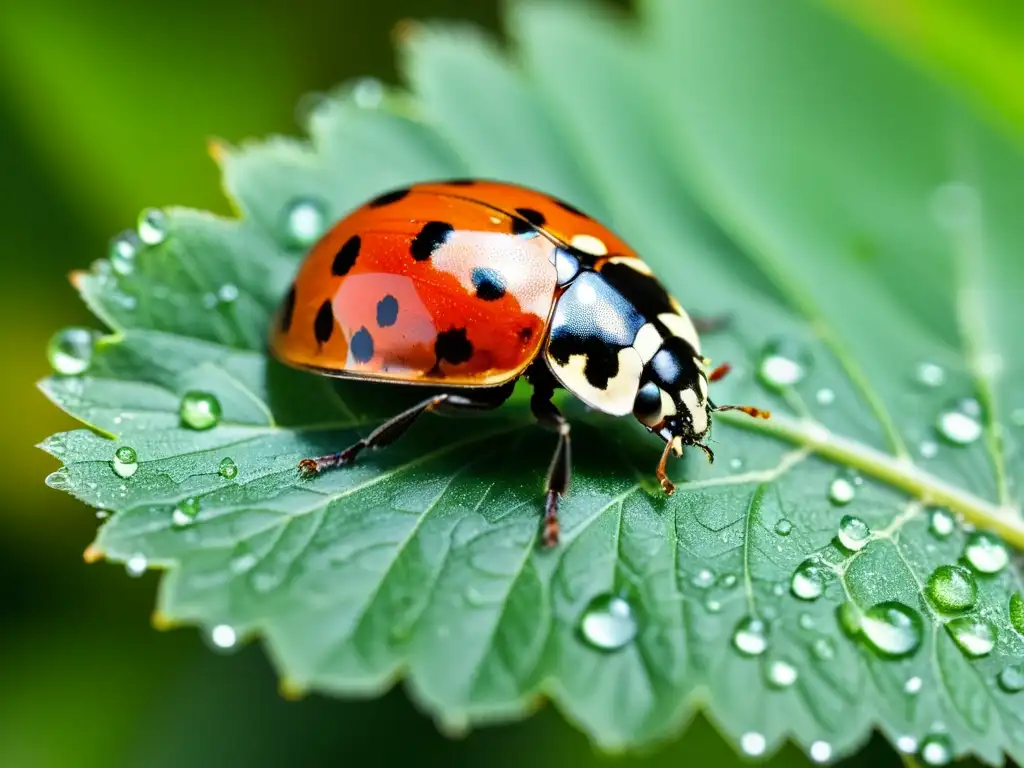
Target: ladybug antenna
{"x":757,"y":413}
{"x":707,"y":452}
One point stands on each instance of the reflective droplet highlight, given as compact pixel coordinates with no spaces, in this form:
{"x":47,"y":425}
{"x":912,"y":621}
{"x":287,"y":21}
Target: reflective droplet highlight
{"x":974,"y":636}
{"x":986,"y":553}
{"x":960,"y":424}
{"x":821,"y":751}
{"x":941,"y":523}
{"x":200,"y":410}
{"x":703,"y":579}
{"x":930,"y":375}
{"x":843,"y":488}
{"x":367,"y":92}
{"x":783,"y":527}
{"x":223,"y":636}
{"x":951,"y":589}
{"x":70,"y":351}
{"x":1011,"y":678}
{"x":152,"y":226}
{"x":913,"y":686}
{"x":825,"y":396}
{"x":228,"y":469}
{"x":227,"y":293}
{"x":753,"y":743}
{"x":750,"y":637}
{"x":823,"y":649}
{"x":936,"y":749}
{"x":892,"y":629}
{"x":126,"y":461}
{"x":608,"y":623}
{"x":123,"y":249}
{"x":136,"y":565}
{"x":783,"y":364}
{"x":928,"y":449}
{"x":808,"y":582}
{"x":185,"y":512}
{"x":853,"y":533}
{"x":781,"y":674}
{"x":305,"y":222}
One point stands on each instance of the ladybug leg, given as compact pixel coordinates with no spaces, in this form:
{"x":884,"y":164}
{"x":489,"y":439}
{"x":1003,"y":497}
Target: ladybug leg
{"x":560,"y":471}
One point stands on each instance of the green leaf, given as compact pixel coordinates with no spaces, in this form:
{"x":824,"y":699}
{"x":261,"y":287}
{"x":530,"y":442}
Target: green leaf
{"x":856,"y":220}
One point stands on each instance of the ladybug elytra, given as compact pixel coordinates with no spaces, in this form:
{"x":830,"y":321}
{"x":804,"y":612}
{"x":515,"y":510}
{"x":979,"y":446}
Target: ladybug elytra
{"x":468,"y":286}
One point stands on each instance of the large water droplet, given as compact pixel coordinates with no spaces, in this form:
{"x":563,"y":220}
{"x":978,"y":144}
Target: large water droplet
{"x":1017,"y":612}
{"x":608,"y":623}
{"x":781,"y":674}
{"x":941,"y":523}
{"x":821,"y":751}
{"x":305,"y":222}
{"x":750,"y":637}
{"x":753,"y":743}
{"x":123,"y":250}
{"x":185,"y":512}
{"x":136,"y":565}
{"x":936,"y":749}
{"x":951,"y":589}
{"x":975,"y":637}
{"x":152,"y":226}
{"x":985,"y":552}
{"x":808,"y":582}
{"x":853,"y":533}
{"x":930,"y":375}
{"x":1011,"y":678}
{"x":783,"y":364}
{"x":960,"y":423}
{"x":200,"y":410}
{"x":784,"y":527}
{"x":843,"y":488}
{"x":228,"y":469}
{"x":892,"y":629}
{"x":70,"y":351}
{"x":126,"y":461}
{"x":224,"y":636}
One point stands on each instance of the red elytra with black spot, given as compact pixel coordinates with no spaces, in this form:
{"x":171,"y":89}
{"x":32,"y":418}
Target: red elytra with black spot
{"x":467,"y":285}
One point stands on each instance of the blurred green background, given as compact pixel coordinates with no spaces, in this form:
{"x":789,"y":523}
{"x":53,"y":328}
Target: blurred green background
{"x":105,"y":108}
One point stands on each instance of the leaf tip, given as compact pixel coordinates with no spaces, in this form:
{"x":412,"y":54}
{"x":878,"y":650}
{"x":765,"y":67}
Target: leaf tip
{"x":218,"y":149}
{"x":93,"y":554}
{"x":404,"y":30}
{"x":161,"y":621}
{"x":291,"y":689}
{"x":77,"y":279}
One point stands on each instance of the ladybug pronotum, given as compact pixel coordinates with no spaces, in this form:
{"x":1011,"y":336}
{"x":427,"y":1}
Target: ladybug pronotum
{"x":468,"y":285}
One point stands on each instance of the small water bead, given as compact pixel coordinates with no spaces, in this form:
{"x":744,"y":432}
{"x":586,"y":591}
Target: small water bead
{"x":122,"y":251}
{"x":1017,"y":612}
{"x":753,"y":743}
{"x":608,"y":623}
{"x":223,"y":636}
{"x":736,"y":464}
{"x":843,"y":488}
{"x":728,"y":580}
{"x":823,"y":649}
{"x":152,"y":226}
{"x":712,"y":605}
{"x":853,"y":533}
{"x":960,"y":424}
{"x":892,"y":629}
{"x":941,"y":523}
{"x":368,"y":92}
{"x":1011,"y":678}
{"x":913,"y":685}
{"x":136,"y":565}
{"x":126,"y":462}
{"x":986,"y":553}
{"x":228,"y":469}
{"x":185,"y":512}
{"x":808,"y":582}
{"x":703,"y":579}
{"x":975,"y":637}
{"x":305,"y":222}
{"x":227,"y":293}
{"x":200,"y":410}
{"x":784,"y":527}
{"x":750,"y":637}
{"x":930,"y":375}
{"x":781,"y":674}
{"x":70,"y":351}
{"x":928,"y":449}
{"x":825,"y":396}
{"x":906,"y":744}
{"x":821,"y":751}
{"x":783,"y":364}
{"x":806,"y":621}
{"x":951,"y":589}
{"x":936,"y":749}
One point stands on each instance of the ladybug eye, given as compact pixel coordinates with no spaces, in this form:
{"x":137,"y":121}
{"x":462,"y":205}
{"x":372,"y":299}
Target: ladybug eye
{"x":648,"y":402}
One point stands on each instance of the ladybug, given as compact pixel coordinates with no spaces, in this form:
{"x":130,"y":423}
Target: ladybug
{"x":468,"y":285}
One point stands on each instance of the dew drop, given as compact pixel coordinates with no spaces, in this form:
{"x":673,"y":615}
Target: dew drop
{"x":928,"y":449}
{"x":806,"y":621}
{"x":930,"y":375}
{"x":736,"y":464}
{"x":70,"y":351}
{"x":853,"y":533}
{"x":808,"y":582}
{"x":136,"y":565}
{"x":753,"y":743}
{"x":825,"y":396}
{"x":227,"y":292}
{"x":781,"y":674}
{"x":123,"y":250}
{"x":608,"y":623}
{"x":843,"y":488}
{"x":750,"y":637}
{"x":783,"y":364}
{"x":784,"y":527}
{"x":823,"y":649}
{"x":936,"y":749}
{"x":975,"y":637}
{"x":728,"y":580}
{"x":305,"y":222}
{"x":367,"y":93}
{"x":892,"y":629}
{"x":712,"y":605}
{"x":185,"y":512}
{"x":199,"y":410}
{"x":223,"y":636}
{"x":941,"y":523}
{"x":1011,"y":678}
{"x":985,"y":552}
{"x":906,"y":744}
{"x":913,"y":685}
{"x":951,"y":589}
{"x":152,"y":226}
{"x":703,"y":579}
{"x":821,"y":751}
{"x":1017,"y":612}
{"x":960,"y":423}
{"x":228,"y":469}
{"x":126,"y":462}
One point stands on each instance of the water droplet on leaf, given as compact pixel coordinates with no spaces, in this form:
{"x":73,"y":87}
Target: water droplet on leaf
{"x":783,"y":364}
{"x":975,"y":637}
{"x":781,"y":674}
{"x":823,"y":649}
{"x":913,"y":685}
{"x":200,"y":410}
{"x":70,"y":351}
{"x":608,"y":623}
{"x":703,"y":579}
{"x":906,"y":744}
{"x":825,"y":396}
{"x":985,"y":552}
{"x":930,"y":375}
{"x":185,"y":512}
{"x":853,"y":533}
{"x":136,"y":565}
{"x":892,"y":629}
{"x":936,"y":749}
{"x":367,"y":92}
{"x":753,"y":743}
{"x":750,"y":637}
{"x":821,"y":751}
{"x":951,"y":589}
{"x":152,"y":226}
{"x":843,"y":488}
{"x":126,"y":461}
{"x":123,"y":250}
{"x":941,"y":523}
{"x":783,"y":527}
{"x":928,"y":449}
{"x":960,"y":424}
{"x":228,"y":469}
{"x":808,"y":582}
{"x":223,"y":636}
{"x":1011,"y":678}
{"x":305,"y":222}
{"x":728,"y":580}
{"x":227,"y":292}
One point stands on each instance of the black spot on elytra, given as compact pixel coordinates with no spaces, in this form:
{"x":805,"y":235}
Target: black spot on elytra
{"x":361,"y":346}
{"x":388,"y":198}
{"x":345,"y":258}
{"x":570,"y":208}
{"x":431,"y":237}
{"x":323,"y":326}
{"x":462,"y":182}
{"x":387,"y":311}
{"x":490,"y":285}
{"x":527,"y":221}
{"x":288,"y":310}
{"x":602,"y":359}
{"x":453,"y":346}
{"x":525,"y":334}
